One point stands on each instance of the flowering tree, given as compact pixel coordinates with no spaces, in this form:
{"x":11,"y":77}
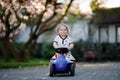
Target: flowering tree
{"x":15,"y":15}
{"x":96,"y":4}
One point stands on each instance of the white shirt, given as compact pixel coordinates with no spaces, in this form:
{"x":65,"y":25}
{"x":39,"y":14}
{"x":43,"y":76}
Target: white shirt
{"x":63,"y":42}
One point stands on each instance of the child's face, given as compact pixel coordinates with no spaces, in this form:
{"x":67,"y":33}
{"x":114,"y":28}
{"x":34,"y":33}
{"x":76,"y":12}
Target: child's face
{"x":63,"y":31}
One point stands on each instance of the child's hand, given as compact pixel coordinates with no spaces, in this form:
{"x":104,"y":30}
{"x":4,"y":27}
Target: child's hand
{"x":69,"y":49}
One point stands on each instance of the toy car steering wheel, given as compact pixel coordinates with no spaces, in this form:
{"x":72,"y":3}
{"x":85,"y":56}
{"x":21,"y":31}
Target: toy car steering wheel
{"x":61,"y":50}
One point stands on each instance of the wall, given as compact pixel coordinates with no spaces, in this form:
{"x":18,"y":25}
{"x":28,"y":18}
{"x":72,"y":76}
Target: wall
{"x":79,"y":30}
{"x":112,"y":35}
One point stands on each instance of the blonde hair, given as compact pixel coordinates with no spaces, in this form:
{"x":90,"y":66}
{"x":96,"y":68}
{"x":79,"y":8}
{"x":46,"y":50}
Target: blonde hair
{"x":62,"y":24}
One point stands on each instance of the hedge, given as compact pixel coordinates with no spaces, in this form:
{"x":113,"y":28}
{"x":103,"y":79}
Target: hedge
{"x":104,"y":51}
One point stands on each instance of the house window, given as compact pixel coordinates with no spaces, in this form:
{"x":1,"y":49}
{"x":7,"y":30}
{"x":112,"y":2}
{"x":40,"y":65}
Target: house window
{"x":118,"y":34}
{"x":103,"y":34}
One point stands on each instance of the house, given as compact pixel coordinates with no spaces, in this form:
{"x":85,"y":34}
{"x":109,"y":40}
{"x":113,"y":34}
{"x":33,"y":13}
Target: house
{"x":107,"y":22}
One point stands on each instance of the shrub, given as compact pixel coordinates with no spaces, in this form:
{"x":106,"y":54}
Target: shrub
{"x":37,"y":52}
{"x":104,"y":51}
{"x":47,"y":50}
{"x":78,"y":50}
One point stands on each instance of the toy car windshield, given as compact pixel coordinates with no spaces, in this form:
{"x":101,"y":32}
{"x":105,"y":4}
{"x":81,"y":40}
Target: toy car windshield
{"x":61,"y":50}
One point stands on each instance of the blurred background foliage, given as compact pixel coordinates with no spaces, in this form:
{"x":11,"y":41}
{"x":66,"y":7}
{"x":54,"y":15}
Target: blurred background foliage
{"x":103,"y":51}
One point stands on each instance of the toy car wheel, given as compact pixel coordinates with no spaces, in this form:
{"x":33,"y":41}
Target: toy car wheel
{"x":51,"y":70}
{"x":72,"y":70}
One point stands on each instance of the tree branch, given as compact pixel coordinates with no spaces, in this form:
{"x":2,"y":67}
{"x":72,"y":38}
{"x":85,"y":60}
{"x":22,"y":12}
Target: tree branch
{"x":17,"y":16}
{"x":7,"y":24}
{"x":45,"y":28}
{"x":40,"y":17}
{"x":54,"y":14}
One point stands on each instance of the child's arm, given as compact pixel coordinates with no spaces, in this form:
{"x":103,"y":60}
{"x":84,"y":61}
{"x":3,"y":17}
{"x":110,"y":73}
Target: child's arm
{"x":71,"y":46}
{"x":55,"y":44}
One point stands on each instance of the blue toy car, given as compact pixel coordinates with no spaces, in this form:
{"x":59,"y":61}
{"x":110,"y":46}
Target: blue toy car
{"x":61,"y":64}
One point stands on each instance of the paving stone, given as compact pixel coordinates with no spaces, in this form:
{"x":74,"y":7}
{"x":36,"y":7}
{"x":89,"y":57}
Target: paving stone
{"x":84,"y":71}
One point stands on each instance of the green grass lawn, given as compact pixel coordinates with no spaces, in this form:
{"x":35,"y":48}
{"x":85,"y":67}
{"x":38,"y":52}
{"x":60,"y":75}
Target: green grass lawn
{"x":14,"y":64}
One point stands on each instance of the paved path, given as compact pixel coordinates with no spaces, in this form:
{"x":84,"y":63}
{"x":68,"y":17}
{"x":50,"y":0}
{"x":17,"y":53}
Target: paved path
{"x":84,"y":71}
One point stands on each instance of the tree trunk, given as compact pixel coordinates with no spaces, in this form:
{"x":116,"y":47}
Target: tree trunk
{"x":31,"y":48}
{"x":24,"y":52}
{"x":13,"y":49}
{"x":4,"y":52}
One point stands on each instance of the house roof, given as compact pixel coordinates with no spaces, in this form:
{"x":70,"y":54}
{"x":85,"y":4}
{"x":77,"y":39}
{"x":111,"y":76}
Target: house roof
{"x":107,"y":16}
